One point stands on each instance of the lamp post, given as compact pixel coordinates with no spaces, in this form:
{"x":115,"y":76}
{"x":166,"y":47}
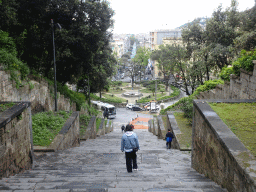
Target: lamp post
{"x":155,"y":88}
{"x":54,"y":63}
{"x":139,"y":89}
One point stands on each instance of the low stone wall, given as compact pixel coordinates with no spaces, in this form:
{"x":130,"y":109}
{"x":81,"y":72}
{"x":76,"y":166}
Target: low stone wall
{"x":109,"y":126}
{"x":101,"y":130}
{"x":173,"y":126}
{"x":161,"y":129}
{"x":16,"y":143}
{"x":69,"y":134}
{"x":90,"y":132}
{"x":150,"y":125}
{"x":155,"y":126}
{"x":218,"y":153}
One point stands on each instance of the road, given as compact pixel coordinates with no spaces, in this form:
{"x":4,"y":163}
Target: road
{"x":124,"y":116}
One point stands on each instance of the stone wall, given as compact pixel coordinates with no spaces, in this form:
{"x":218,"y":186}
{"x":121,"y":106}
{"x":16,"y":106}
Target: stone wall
{"x":40,"y":97}
{"x":101,"y":130}
{"x":218,"y":153}
{"x":161,"y":129}
{"x":69,"y":134}
{"x":173,"y":126}
{"x":90,"y":132}
{"x":16,"y":144}
{"x":109,"y":126}
{"x":243,"y":87}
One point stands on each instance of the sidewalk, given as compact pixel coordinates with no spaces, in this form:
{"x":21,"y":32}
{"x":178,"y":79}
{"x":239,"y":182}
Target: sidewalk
{"x":99,"y":166}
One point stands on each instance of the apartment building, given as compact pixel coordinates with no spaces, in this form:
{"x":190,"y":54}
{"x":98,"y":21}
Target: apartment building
{"x":160,"y":37}
{"x":156,"y":37}
{"x":120,"y":44}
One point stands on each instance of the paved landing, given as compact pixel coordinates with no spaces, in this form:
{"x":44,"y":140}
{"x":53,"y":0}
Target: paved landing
{"x":99,"y":166}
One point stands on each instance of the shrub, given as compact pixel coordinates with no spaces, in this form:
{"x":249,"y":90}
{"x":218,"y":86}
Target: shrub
{"x":226,"y":72}
{"x":116,"y":83}
{"x":91,"y":110}
{"x":208,"y":85}
{"x":84,"y":121}
{"x":8,"y":57}
{"x":186,"y":103}
{"x":76,"y":97}
{"x":244,"y":61}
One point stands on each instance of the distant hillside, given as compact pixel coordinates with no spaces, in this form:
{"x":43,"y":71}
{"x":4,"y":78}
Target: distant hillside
{"x":202,"y":22}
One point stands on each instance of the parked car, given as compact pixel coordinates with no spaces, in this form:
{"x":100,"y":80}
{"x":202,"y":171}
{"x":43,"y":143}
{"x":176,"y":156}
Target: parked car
{"x":136,"y":108}
{"x":129,"y":106}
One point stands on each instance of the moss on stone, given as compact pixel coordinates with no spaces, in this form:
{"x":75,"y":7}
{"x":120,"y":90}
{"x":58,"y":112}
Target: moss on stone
{"x":5,"y":106}
{"x":164,"y":118}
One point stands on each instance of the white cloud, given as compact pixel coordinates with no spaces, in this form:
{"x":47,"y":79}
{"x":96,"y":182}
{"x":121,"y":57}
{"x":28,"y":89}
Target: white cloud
{"x":139,"y":16}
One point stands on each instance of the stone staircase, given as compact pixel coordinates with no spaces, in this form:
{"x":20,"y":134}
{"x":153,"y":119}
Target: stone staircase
{"x":98,"y":165}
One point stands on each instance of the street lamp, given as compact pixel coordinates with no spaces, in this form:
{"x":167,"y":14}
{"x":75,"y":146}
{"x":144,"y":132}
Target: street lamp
{"x":155,"y":88}
{"x":55,"y":84}
{"x":139,"y":89}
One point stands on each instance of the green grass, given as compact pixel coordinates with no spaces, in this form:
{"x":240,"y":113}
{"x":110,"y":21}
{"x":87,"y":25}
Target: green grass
{"x":113,"y":98}
{"x":164,"y":118}
{"x":160,"y":96}
{"x":5,"y":106}
{"x":98,"y":121}
{"x":145,"y":90}
{"x":132,"y":89}
{"x":185,"y":138}
{"x":46,"y":126}
{"x":84,"y":121}
{"x":152,"y":97}
{"x":125,"y":84}
{"x":116,"y":90}
{"x":241,"y":119}
{"x":108,"y":99}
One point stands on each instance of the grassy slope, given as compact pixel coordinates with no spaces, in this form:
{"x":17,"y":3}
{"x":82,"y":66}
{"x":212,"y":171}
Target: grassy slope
{"x":185,"y":138}
{"x":241,"y":119}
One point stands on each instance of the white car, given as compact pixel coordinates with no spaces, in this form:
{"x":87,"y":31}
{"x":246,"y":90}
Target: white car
{"x":129,"y":106}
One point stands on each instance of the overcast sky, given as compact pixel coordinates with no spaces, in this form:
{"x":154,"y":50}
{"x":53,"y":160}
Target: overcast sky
{"x":142,"y":16}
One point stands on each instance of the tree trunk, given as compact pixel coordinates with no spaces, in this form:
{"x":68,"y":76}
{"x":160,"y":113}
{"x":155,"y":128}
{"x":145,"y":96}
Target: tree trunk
{"x":207,"y":68}
{"x":166,"y":78}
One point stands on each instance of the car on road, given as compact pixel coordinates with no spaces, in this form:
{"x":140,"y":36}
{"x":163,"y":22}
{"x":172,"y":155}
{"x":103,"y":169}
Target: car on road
{"x":129,"y":106}
{"x":147,"y":107}
{"x":136,"y":108}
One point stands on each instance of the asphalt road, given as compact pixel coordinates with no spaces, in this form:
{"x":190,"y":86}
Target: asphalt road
{"x":124,"y":116}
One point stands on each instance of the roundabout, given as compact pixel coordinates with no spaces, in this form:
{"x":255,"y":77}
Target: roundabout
{"x":132,"y":94}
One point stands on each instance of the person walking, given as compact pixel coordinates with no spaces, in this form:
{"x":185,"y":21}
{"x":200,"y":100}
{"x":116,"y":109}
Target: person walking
{"x":123,"y":128}
{"x":169,"y":137}
{"x":105,"y":113}
{"x":130,"y":144}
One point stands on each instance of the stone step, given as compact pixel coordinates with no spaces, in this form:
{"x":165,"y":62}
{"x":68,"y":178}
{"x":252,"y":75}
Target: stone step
{"x":99,"y":165}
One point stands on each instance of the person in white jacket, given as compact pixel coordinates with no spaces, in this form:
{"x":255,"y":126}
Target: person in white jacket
{"x":130,"y":141}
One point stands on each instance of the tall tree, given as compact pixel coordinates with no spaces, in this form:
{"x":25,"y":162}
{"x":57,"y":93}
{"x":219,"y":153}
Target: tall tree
{"x":141,"y":58}
{"x":80,"y":44}
{"x":221,"y":30}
